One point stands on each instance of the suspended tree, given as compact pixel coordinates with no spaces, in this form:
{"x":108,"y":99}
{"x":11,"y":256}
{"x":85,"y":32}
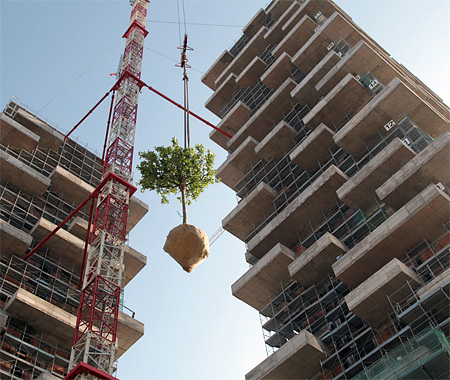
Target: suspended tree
{"x":187,"y":171}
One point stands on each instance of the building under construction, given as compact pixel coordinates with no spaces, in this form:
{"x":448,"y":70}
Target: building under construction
{"x":340,"y":159}
{"x":43,"y":179}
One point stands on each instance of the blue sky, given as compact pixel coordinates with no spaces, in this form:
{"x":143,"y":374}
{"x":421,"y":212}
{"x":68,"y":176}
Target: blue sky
{"x":195,"y":328}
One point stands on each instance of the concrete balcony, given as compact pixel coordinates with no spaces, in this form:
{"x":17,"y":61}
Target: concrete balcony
{"x":277,"y":143}
{"x":265,"y":279}
{"x":296,"y":37}
{"x":72,"y":188}
{"x":276,"y":74}
{"x":398,"y":234}
{"x":255,"y":24}
{"x":216,"y":69}
{"x":370,"y":301}
{"x":251,"y":211}
{"x":297,"y":359}
{"x":21,"y":175}
{"x":253,"y":48}
{"x":262,"y":122}
{"x":369,"y":122}
{"x":277,"y":32}
{"x":360,"y":59}
{"x":344,"y":100}
{"x":53,"y":321}
{"x":231,"y":123}
{"x":295,"y":219}
{"x":50,"y":138}
{"x":314,"y":149}
{"x":238,"y":163}
{"x":12,"y":240}
{"x":222,"y":95}
{"x":306,"y":92}
{"x":316,"y":262}
{"x":432,"y":165}
{"x":16,"y":136}
{"x":71,"y":247}
{"x":75,"y":191}
{"x":359,"y":191}
{"x":250,"y":75}
{"x":334,"y":29}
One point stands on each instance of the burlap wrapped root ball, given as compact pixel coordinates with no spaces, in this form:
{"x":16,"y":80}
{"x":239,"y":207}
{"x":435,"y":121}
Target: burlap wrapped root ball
{"x":188,"y":246}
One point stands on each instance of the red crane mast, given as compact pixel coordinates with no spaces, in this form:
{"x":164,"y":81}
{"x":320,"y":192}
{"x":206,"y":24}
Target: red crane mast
{"x":94,"y":346}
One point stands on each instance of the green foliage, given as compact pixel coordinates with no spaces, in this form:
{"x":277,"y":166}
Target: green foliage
{"x":170,"y":169}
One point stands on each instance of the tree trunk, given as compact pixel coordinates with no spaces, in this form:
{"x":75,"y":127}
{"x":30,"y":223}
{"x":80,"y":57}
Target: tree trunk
{"x":183,"y":201}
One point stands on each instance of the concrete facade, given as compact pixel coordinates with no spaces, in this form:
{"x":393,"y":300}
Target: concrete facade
{"x":340,"y":158}
{"x":43,"y":179}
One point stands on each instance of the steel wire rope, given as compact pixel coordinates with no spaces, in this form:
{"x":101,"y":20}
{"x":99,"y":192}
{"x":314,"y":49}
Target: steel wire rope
{"x":79,"y":76}
{"x":197,"y":24}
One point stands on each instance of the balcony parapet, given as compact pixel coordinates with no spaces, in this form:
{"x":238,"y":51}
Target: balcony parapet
{"x":359,"y":191}
{"x":401,"y":232}
{"x":298,"y":358}
{"x":21,"y":175}
{"x":265,"y":279}
{"x":314,"y":149}
{"x":396,"y":98}
{"x":295,"y":218}
{"x":251,"y":211}
{"x":15,"y":135}
{"x":370,"y":301}
{"x":431,"y":165}
{"x":316,"y":262}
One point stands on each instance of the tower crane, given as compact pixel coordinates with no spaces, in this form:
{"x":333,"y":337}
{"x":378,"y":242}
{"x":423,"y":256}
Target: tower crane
{"x":94,"y":346}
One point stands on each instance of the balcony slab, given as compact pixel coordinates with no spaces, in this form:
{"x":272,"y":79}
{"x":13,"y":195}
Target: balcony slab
{"x":21,"y":175}
{"x":50,"y":138}
{"x":276,"y":32}
{"x":370,"y":301}
{"x":265,"y":279}
{"x":250,"y":75}
{"x":222,"y":95}
{"x":306,"y":92}
{"x":298,"y":358}
{"x":277,"y":73}
{"x":277,"y":143}
{"x":231,"y":123}
{"x":431,"y":165}
{"x":15,"y":135}
{"x":53,"y":321}
{"x":221,"y":63}
{"x":359,"y":190}
{"x":398,"y":234}
{"x":314,"y":50}
{"x":250,"y":211}
{"x":314,"y":149}
{"x":263,"y":121}
{"x":360,"y":59}
{"x":295,"y":219}
{"x":369,"y":122}
{"x":253,"y":48}
{"x":238,"y":163}
{"x":316,"y":262}
{"x":296,"y":37}
{"x":345,"y":99}
{"x":12,"y":240}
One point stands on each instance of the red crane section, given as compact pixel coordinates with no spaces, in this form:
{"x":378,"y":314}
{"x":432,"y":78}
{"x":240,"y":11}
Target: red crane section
{"x":94,"y":345}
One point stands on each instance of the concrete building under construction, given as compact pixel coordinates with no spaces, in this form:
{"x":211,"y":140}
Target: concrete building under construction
{"x":340,"y":160}
{"x":43,"y":179}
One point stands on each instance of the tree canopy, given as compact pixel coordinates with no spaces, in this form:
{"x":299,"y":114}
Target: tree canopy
{"x":168,"y":170}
